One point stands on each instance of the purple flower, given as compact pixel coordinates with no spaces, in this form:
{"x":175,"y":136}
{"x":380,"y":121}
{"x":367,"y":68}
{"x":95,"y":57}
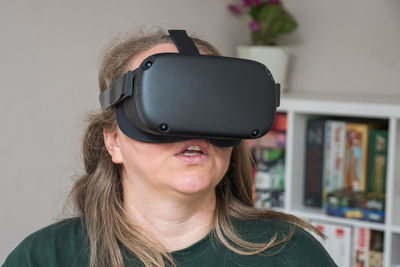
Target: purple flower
{"x":275,"y":2}
{"x":255,"y":26}
{"x":235,"y":9}
{"x":247,"y":3}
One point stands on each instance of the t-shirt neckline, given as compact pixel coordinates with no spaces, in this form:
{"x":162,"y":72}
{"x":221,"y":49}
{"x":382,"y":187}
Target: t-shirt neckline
{"x":195,"y":250}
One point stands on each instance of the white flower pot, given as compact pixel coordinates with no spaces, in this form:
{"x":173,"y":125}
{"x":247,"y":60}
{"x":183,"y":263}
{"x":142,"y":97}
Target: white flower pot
{"x":276,"y":59}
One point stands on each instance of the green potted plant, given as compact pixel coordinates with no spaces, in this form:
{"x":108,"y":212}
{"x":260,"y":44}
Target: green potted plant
{"x":268,"y":20}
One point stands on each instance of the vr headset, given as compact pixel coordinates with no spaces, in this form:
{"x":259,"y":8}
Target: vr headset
{"x":174,"y":97}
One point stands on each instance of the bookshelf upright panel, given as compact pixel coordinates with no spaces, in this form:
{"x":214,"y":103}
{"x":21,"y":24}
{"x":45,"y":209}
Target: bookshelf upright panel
{"x":395,"y":178}
{"x":395,"y":248}
{"x":297,"y":161}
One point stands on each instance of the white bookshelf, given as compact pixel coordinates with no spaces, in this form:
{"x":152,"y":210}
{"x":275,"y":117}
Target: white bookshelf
{"x":300,"y":107}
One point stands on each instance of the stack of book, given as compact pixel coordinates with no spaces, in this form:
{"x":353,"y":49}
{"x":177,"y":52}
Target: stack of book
{"x":356,"y":205}
{"x":269,"y":170}
{"x":345,"y":168}
{"x":352,"y":246}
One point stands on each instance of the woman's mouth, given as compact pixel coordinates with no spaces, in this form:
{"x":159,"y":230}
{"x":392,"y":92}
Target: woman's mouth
{"x":194,"y":153}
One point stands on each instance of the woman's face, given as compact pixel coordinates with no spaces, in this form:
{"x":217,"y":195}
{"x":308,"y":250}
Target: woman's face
{"x":188,"y":167}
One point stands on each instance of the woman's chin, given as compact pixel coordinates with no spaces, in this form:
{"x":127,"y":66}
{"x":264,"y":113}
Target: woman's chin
{"x":193,"y":184}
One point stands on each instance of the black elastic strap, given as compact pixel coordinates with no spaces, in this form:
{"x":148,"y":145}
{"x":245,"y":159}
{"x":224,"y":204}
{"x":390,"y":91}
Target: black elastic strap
{"x":118,"y":91}
{"x":183,"y":42}
{"x":278,"y":94}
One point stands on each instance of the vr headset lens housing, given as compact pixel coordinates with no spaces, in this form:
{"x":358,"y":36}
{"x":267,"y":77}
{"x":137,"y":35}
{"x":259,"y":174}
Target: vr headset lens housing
{"x":173,"y":97}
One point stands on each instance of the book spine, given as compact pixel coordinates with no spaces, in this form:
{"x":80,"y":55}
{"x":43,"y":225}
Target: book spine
{"x":335,"y":146}
{"x":338,"y":243}
{"x":315,"y":136}
{"x":356,"y":156}
{"x":376,"y":251}
{"x":361,"y":246}
{"x":338,"y":153}
{"x":377,"y":158}
{"x":342,"y":245}
{"x":327,"y":184}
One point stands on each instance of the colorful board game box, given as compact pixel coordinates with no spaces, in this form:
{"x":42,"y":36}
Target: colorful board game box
{"x":334,"y":155}
{"x":356,"y":156}
{"x":377,"y":160}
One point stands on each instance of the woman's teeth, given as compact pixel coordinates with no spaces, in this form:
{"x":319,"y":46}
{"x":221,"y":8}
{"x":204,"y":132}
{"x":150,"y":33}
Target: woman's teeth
{"x":197,"y":148}
{"x":192,"y":151}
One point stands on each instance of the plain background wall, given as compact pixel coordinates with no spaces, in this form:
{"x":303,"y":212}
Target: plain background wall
{"x":49,"y":54}
{"x":346,"y":47}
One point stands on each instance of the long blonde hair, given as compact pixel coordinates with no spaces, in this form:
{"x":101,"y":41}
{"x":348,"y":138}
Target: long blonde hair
{"x":98,"y":194}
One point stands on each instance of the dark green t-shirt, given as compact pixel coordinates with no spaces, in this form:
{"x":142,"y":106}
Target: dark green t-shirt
{"x":66,"y":244}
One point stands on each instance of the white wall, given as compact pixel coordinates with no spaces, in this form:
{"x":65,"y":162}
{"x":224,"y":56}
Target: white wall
{"x":49,"y":53}
{"x":348,"y":47}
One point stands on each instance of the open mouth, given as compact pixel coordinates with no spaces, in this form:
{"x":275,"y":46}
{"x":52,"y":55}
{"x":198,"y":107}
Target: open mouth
{"x":193,"y":150}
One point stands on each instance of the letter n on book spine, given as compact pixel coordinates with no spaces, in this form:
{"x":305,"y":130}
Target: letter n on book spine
{"x":315,"y":135}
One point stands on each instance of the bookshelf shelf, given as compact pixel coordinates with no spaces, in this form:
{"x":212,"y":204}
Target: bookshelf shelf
{"x":337,"y":220}
{"x":299,"y":108}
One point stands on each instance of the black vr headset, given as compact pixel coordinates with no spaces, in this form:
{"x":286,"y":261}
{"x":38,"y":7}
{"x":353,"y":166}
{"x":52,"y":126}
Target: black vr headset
{"x":174,"y":97}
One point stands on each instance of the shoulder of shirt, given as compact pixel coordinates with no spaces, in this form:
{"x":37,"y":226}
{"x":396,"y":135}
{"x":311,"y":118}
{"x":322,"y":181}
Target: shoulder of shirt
{"x":48,"y":239}
{"x":263,"y":227}
{"x":304,"y":247}
{"x":301,"y":247}
{"x":270,"y":227}
{"x":72,"y":227}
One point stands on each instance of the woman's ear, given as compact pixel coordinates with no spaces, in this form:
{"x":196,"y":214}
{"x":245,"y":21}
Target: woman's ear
{"x":112,"y":145}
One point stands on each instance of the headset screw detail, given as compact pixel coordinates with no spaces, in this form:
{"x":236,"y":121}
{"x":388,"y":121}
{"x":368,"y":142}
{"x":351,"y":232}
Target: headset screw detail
{"x":148,"y":64}
{"x":163,"y":127}
{"x":255,"y":132}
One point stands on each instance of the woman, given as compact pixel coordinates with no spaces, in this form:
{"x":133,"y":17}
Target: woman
{"x":185,"y":203}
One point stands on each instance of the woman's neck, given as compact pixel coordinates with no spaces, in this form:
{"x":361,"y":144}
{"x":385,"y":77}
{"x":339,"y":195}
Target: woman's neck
{"x":175,"y":220}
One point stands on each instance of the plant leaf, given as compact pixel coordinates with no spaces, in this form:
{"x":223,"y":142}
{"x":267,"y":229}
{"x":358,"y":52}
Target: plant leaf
{"x":274,"y":22}
{"x":254,"y":11}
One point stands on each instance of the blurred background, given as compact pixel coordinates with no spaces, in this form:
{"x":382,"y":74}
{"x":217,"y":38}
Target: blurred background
{"x":49,"y":57}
